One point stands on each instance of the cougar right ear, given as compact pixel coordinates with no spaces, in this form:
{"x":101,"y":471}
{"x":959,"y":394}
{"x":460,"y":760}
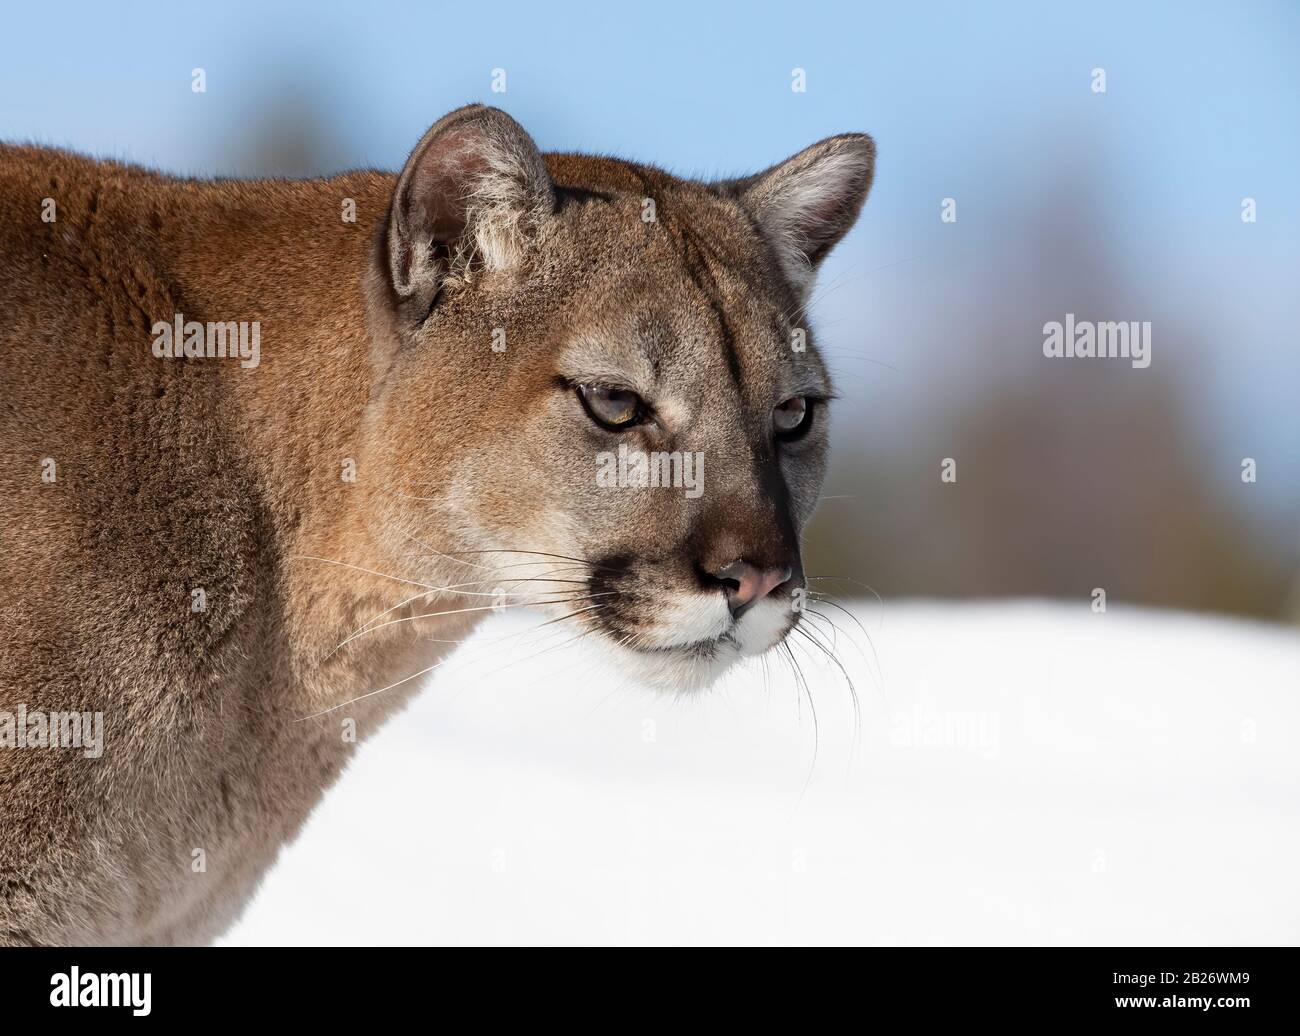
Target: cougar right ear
{"x":807,"y":203}
{"x":469,"y":196}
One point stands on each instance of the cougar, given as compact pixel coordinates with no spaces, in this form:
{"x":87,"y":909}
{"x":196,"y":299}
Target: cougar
{"x":269,"y":449}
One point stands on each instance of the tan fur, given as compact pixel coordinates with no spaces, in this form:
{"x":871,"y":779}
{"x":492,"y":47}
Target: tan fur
{"x":176,"y":475}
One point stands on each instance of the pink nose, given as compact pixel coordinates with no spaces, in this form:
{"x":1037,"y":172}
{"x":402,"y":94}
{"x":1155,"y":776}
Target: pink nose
{"x":748,"y":584}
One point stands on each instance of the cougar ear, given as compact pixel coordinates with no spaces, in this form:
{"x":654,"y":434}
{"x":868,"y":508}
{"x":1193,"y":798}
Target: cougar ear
{"x":805,"y":204}
{"x":470,"y":195}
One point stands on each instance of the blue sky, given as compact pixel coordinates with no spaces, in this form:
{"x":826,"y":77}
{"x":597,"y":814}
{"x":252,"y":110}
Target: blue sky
{"x":989,"y":104}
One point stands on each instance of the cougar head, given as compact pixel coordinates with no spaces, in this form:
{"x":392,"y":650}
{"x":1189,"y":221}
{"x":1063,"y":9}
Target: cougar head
{"x":605,"y":383}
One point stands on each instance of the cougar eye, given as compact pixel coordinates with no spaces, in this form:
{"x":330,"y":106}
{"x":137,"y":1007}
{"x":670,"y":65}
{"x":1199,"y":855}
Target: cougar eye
{"x":612,"y":408}
{"x":792,"y":418}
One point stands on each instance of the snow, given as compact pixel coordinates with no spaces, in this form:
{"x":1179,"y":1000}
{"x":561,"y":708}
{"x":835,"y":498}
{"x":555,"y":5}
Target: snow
{"x":1024,"y":772}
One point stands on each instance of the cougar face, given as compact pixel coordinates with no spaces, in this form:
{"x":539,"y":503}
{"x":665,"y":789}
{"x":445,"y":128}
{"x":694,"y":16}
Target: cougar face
{"x":649,"y":433}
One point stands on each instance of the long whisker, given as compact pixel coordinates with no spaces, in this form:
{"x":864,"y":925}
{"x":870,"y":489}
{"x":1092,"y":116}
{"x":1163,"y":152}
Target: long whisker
{"x":801,"y":686}
{"x":546,"y":650}
{"x":435,"y":551}
{"x":360,"y":629}
{"x":453,"y":555}
{"x":872,"y":662}
{"x":479,"y":608}
{"x":846,"y":579}
{"x":367,"y":625}
{"x":407,"y":679}
{"x":524,"y":633}
{"x":566,"y":566}
{"x":540,"y":554}
{"x":812,"y":638}
{"x":362,"y":568}
{"x":880,"y":673}
{"x":371,"y":694}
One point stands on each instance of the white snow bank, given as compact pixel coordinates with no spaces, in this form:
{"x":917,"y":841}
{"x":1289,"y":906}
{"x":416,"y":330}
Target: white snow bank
{"x":1026,"y":773}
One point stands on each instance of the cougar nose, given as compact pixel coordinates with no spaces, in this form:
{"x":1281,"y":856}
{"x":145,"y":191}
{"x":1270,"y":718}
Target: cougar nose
{"x":747,"y":584}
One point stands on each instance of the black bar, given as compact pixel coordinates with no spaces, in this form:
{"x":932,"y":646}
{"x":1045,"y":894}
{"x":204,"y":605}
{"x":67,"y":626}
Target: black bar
{"x":484,"y":986}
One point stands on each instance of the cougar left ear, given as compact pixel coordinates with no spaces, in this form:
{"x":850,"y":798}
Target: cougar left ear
{"x":470,"y":194}
{"x":807,"y":203}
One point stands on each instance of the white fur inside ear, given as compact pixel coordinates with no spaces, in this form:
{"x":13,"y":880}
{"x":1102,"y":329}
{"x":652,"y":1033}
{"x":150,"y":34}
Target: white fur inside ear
{"x":810,"y":210}
{"x":808,"y":202}
{"x":469,"y":199}
{"x":501,"y":209}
